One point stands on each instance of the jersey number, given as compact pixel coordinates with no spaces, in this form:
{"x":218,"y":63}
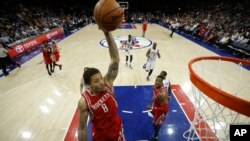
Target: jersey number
{"x":105,"y":108}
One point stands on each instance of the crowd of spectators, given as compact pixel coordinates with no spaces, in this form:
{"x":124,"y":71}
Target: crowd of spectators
{"x":224,"y":25}
{"x":21,"y":22}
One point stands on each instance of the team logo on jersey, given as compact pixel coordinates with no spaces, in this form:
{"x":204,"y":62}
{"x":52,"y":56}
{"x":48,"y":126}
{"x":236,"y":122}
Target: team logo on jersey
{"x":138,"y":42}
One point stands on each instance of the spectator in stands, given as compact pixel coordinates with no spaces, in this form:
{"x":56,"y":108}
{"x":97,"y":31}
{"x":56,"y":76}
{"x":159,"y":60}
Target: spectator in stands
{"x":174,"y":26}
{"x":211,"y":37}
{"x":235,"y":35}
{"x":224,"y":41}
{"x":245,"y":40}
{"x":5,"y":58}
{"x":6,"y":39}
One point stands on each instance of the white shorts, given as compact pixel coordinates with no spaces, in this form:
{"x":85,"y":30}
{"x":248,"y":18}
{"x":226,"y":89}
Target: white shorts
{"x":150,"y":65}
{"x":128,"y":53}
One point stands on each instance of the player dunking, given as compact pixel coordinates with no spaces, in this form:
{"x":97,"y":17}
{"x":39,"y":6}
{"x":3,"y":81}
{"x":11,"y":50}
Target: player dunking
{"x":160,"y":105}
{"x":98,"y":101}
{"x":150,"y":64}
{"x":128,"y":51}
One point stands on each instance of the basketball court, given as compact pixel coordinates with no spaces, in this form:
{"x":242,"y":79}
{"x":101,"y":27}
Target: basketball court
{"x":36,"y":106}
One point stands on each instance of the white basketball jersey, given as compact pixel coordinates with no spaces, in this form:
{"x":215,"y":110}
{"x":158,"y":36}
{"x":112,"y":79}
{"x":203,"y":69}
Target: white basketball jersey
{"x":152,"y":55}
{"x":129,"y":45}
{"x":166,"y":83}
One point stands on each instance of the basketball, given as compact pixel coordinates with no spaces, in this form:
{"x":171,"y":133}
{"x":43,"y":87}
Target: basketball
{"x":108,"y":15}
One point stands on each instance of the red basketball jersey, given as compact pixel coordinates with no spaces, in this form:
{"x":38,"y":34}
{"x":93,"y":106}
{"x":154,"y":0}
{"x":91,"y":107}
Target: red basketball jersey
{"x":104,"y":113}
{"x":56,"y":52}
{"x":156,"y":92}
{"x":46,"y":55}
{"x":159,"y":109}
{"x":144,"y":26}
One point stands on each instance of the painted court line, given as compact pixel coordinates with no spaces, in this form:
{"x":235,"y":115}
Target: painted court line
{"x":130,"y":112}
{"x":146,"y":111}
{"x":71,"y":133}
{"x":189,"y":111}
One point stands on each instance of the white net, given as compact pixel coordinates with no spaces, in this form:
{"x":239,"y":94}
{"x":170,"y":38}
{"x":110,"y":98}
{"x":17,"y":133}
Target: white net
{"x":212,"y":120}
{"x":124,"y":4}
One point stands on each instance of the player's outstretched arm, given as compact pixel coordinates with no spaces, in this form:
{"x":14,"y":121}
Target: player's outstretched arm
{"x":115,"y":59}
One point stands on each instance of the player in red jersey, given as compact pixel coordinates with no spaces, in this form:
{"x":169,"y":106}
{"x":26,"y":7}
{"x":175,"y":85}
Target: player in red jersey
{"x":55,"y":55}
{"x":159,"y":106}
{"x":144,"y":28}
{"x":98,"y":101}
{"x":46,"y":57}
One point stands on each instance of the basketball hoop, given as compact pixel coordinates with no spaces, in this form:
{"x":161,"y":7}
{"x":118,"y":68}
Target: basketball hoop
{"x":124,"y":4}
{"x":216,"y":109}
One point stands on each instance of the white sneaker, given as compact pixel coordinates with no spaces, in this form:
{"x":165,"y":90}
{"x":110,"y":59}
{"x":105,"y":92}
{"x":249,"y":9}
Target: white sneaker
{"x":130,"y":67}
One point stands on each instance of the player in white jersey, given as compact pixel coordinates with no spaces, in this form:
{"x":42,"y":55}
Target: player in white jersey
{"x":128,"y":51}
{"x":166,"y":82}
{"x":151,"y":54}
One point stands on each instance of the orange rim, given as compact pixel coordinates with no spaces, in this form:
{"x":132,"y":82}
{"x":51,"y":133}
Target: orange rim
{"x":226,"y":99}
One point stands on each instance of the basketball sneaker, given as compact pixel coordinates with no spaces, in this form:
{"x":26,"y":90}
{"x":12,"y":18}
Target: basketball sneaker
{"x":154,"y":139}
{"x":130,"y":67}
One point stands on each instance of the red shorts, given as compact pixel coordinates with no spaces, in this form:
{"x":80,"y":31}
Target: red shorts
{"x":144,"y":27}
{"x":46,"y":58}
{"x":159,"y":117}
{"x":57,"y":56}
{"x":108,"y":135}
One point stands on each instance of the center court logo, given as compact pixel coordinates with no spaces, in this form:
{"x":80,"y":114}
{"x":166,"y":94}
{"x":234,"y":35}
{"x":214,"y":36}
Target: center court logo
{"x":139,"y":42}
